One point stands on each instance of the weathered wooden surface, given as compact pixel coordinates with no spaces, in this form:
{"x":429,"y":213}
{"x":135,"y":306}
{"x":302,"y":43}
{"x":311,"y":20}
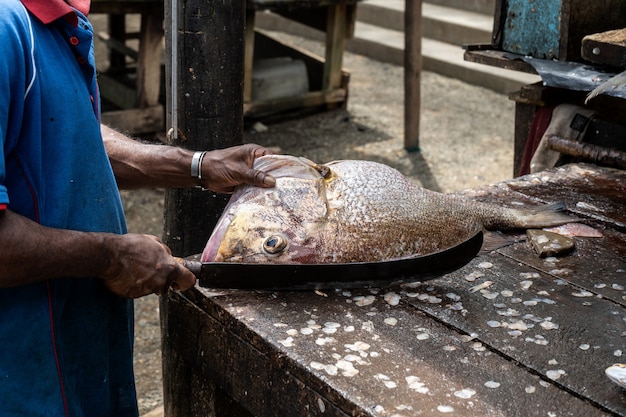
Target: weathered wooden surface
{"x":208,"y":114}
{"x":534,"y":343}
{"x":209,"y":107}
{"x":146,"y":120}
{"x":588,"y":152}
{"x":606,"y":48}
{"x":497,"y":58}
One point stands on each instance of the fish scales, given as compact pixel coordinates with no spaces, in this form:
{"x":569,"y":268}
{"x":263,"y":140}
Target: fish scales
{"x":387,"y":215}
{"x":351,"y":211}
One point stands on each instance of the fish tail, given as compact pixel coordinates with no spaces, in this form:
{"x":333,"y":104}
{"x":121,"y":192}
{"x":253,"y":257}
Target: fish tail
{"x":548,"y":215}
{"x":534,"y":217}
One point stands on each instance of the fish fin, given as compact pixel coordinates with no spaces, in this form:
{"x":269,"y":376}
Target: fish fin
{"x":280,"y":166}
{"x":493,"y":240}
{"x":545,"y":216}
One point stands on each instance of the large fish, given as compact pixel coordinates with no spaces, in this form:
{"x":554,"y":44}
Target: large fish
{"x":351,"y":211}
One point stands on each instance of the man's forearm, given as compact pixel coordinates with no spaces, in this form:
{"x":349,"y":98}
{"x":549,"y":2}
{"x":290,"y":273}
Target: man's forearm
{"x":130,"y":265}
{"x":138,"y":165}
{"x":32,"y":253}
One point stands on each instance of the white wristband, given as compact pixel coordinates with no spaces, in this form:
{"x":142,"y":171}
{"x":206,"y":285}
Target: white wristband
{"x":196,"y":164}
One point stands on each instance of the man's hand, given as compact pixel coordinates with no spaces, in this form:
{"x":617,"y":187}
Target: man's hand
{"x":131,"y":265}
{"x":142,"y":265}
{"x":224,"y":169}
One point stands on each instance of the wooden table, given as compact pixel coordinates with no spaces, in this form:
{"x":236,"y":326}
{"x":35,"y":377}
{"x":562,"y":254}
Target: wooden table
{"x":535,"y":343}
{"x":141,"y":111}
{"x":328,"y":81}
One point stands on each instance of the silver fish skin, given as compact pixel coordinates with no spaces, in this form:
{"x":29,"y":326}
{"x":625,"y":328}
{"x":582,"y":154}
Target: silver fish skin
{"x":352,"y":211}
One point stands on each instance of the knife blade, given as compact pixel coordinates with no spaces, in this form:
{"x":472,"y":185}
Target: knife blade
{"x":236,"y":275}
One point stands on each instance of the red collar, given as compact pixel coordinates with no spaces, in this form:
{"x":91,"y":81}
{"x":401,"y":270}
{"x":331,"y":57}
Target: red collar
{"x":50,"y":10}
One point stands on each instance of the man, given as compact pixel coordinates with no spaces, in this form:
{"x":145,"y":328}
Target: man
{"x":67,"y":267}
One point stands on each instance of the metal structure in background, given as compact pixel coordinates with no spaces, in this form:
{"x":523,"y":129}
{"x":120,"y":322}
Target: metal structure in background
{"x":172,"y":132}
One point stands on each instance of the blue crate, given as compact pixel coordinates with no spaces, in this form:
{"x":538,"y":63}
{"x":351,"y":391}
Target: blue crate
{"x":532,"y":28}
{"x":553,"y":28}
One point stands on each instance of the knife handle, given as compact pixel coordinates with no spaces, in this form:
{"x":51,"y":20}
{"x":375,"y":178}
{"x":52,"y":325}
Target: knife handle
{"x":194,"y":266}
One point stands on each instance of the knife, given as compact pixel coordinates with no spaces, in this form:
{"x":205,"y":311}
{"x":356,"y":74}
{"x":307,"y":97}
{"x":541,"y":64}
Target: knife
{"x":236,"y":275}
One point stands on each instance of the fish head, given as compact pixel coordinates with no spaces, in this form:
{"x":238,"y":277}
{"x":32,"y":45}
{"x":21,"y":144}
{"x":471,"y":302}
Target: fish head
{"x":282,"y":224}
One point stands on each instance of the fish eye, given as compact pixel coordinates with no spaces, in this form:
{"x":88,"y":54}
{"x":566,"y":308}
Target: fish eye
{"x":274,"y":244}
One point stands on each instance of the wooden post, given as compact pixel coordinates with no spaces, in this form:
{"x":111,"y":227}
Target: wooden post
{"x":208,"y":109}
{"x":336,"y":30}
{"x":412,"y":70}
{"x":149,"y":60}
{"x":117,"y":30}
{"x":209,"y":98}
{"x":249,"y":56}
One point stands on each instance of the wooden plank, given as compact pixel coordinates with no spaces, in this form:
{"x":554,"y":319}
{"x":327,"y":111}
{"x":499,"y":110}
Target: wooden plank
{"x":236,"y":366}
{"x":606,"y":48}
{"x":249,"y":55}
{"x":270,"y":47}
{"x":336,"y":34}
{"x":412,"y":73}
{"x":117,"y":93}
{"x":603,"y":276}
{"x":316,"y":18}
{"x":497,"y":58}
{"x":296,"y":4}
{"x":149,"y":59}
{"x":311,"y":99}
{"x":599,"y":191}
{"x":537,"y":320}
{"x":117,"y":45}
{"x":367,"y":360}
{"x":136,"y":121}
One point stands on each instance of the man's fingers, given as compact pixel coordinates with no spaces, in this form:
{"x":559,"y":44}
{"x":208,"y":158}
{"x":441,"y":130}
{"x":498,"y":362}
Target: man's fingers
{"x":262,"y":179}
{"x":185,"y":280}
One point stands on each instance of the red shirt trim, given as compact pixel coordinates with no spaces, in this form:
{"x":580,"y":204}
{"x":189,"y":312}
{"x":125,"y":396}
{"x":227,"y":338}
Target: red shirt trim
{"x":50,"y":10}
{"x":3,"y":206}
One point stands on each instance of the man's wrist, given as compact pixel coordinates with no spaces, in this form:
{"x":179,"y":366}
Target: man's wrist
{"x":196,"y":164}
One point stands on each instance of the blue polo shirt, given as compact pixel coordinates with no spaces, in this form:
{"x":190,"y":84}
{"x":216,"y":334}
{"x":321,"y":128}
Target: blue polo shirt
{"x":65,"y":344}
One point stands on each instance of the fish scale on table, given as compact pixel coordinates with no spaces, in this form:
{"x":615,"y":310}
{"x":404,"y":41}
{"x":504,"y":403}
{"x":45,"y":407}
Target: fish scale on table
{"x":352,"y":211}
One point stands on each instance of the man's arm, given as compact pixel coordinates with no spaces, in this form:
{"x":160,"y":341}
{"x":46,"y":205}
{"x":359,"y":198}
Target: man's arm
{"x":144,"y":165}
{"x":131,"y":265}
